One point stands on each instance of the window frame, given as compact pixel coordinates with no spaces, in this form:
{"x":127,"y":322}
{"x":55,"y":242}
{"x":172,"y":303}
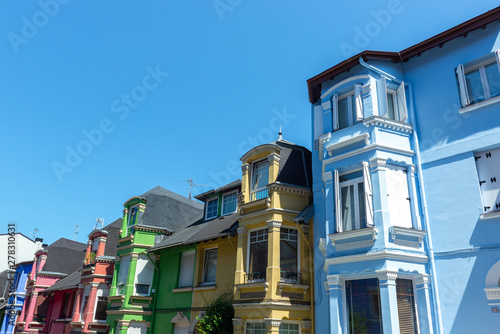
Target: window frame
{"x":136,"y":206}
{"x":119,"y":286}
{"x":248,"y":322}
{"x":357,"y":206}
{"x":204,"y":272}
{"x":480,"y":157}
{"x":298,"y":252}
{"x":223,"y":197}
{"x":249,"y":245}
{"x":291,"y":322}
{"x":254,"y":167}
{"x":187,"y":253}
{"x":101,"y":287}
{"x":215,"y":199}
{"x":136,"y":276}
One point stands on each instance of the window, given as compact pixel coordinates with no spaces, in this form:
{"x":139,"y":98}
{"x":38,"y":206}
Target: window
{"x":392,"y":100}
{"x":347,"y":108}
{"x":229,"y":203}
{"x":488,"y":168}
{"x":212,"y":207}
{"x":479,"y":80}
{"x":363,"y":306}
{"x":101,"y":303}
{"x":406,"y":306}
{"x":143,"y":276}
{"x":398,"y":197}
{"x":286,"y":328}
{"x":258,"y":255}
{"x":256,"y":328}
{"x":85,"y":301}
{"x":122,"y":275}
{"x":353,"y":200}
{"x":210,"y":266}
{"x":187,"y":269}
{"x":288,"y":254}
{"x":136,"y":327}
{"x":65,"y":304}
{"x":132,"y":216}
{"x":260,"y":178}
{"x":181,"y":329}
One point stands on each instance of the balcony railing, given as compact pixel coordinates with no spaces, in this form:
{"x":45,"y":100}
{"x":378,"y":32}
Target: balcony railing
{"x":288,"y":276}
{"x":259,"y":195}
{"x":255,"y":277}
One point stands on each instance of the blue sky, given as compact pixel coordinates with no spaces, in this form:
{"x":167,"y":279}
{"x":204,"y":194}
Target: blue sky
{"x":103,"y":101}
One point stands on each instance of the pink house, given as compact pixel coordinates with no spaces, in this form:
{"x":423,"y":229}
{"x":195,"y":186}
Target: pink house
{"x":51,"y":264}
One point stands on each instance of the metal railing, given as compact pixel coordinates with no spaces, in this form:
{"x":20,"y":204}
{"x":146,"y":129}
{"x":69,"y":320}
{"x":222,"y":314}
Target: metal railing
{"x":288,"y":276}
{"x":255,"y":277}
{"x":259,"y":195}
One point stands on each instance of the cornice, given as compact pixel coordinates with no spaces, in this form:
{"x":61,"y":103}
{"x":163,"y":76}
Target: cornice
{"x":388,"y":123}
{"x":275,"y":187}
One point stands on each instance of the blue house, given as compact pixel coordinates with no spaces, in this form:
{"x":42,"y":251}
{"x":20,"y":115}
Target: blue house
{"x":405,"y":167}
{"x":16,"y":292}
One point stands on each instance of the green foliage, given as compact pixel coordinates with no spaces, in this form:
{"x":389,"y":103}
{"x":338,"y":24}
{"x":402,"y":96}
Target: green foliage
{"x":358,"y":322}
{"x":219,"y":317}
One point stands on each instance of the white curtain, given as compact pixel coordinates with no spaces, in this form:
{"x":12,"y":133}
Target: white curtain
{"x":401,"y":96}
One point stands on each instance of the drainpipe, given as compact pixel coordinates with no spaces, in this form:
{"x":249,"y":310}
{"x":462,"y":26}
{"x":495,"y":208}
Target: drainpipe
{"x":428,"y":241}
{"x":156,"y":292}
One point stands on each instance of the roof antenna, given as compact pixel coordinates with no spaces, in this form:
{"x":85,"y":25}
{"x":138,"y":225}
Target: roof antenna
{"x":77,"y":229}
{"x":99,"y":221}
{"x":191,"y":184}
{"x":280,"y":137}
{"x":34,"y":232}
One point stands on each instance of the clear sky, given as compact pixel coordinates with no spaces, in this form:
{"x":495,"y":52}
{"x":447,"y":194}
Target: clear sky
{"x":104,"y":100}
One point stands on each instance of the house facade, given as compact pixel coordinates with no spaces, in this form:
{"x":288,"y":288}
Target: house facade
{"x":404,"y":170}
{"x":273,"y":278}
{"x":147,"y":220}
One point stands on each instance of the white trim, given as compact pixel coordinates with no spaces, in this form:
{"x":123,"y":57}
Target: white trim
{"x":489,"y":215}
{"x":368,"y":231}
{"x":388,"y":123}
{"x":343,"y":82}
{"x":362,"y":137}
{"x":216,"y":211}
{"x":391,"y":149}
{"x":203,"y":282}
{"x":193,"y":252}
{"x":478,"y":105}
{"x":492,"y":293}
{"x":222,"y":204}
{"x":385,"y":254}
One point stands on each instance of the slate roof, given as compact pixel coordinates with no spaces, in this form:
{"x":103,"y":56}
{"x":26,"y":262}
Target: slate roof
{"x":166,"y":209}
{"x":4,"y":293}
{"x":113,"y":230}
{"x":69,"y":282}
{"x":201,"y":230}
{"x":295,"y":164}
{"x":64,"y":256}
{"x":230,"y":186}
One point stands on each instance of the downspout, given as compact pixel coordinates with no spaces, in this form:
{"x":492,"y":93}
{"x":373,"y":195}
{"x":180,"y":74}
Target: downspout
{"x":153,"y":313}
{"x":428,"y":241}
{"x":311,"y":273}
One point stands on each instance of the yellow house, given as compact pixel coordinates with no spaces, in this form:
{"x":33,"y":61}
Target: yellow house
{"x":273,"y":284}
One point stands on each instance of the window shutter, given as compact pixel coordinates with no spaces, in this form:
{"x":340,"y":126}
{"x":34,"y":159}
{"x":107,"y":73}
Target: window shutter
{"x":406,"y":306}
{"x":401,"y":96}
{"x":464,"y":97}
{"x":398,"y":197}
{"x":368,"y":194}
{"x":187,"y":268}
{"x":335,"y":115}
{"x":318,"y":121}
{"x":382,"y":96}
{"x":144,"y":271}
{"x":497,"y":56}
{"x":337,"y":201}
{"x":358,"y":94}
{"x":122,"y":276}
{"x":488,"y":169}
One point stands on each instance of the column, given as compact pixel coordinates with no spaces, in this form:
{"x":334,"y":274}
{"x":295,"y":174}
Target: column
{"x":305,"y":327}
{"x":238,"y":326}
{"x":329,"y":209}
{"x":273,"y":325}
{"x":78,"y":304}
{"x":239,"y":275}
{"x":273,"y":272}
{"x":123,"y":232}
{"x":88,"y":251}
{"x":31,"y":309}
{"x":388,"y":301}
{"x":101,"y":246}
{"x":424,"y":304}
{"x":114,"y":280}
{"x":336,"y":316}
{"x":88,"y":315}
{"x":274,"y":166}
{"x":245,"y":184}
{"x":129,"y":288}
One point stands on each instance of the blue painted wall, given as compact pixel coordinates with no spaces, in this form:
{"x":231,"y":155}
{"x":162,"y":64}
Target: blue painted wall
{"x":16,"y":301}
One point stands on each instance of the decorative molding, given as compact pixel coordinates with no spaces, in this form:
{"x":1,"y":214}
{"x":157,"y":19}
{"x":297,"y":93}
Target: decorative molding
{"x":282,"y":285}
{"x":273,"y":157}
{"x":409,"y":232}
{"x":422,"y":279}
{"x":134,"y":256}
{"x":188,"y":288}
{"x":327,"y":176}
{"x":334,"y":280}
{"x":343,"y":82}
{"x":491,"y":215}
{"x":242,"y":231}
{"x":272,"y":322}
{"x":327,"y":106}
{"x":388,"y":123}
{"x":125,"y":211}
{"x":322,"y":246}
{"x":205,"y":287}
{"x":274,"y":224}
{"x":344,"y":143}
{"x":141,"y":206}
{"x":378,"y":163}
{"x":273,"y":187}
{"x":492,"y":293}
{"x":306,"y":324}
{"x":245,"y":168}
{"x":238,"y":322}
{"x":387,"y":275}
{"x":264,"y":285}
{"x":354,"y":245}
{"x":322,"y":140}
{"x":387,"y":148}
{"x":384,"y":254}
{"x":368,"y":231}
{"x":281,"y":305}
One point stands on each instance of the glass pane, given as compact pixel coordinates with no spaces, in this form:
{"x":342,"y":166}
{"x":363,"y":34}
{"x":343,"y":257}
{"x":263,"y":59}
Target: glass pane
{"x":474,"y":86}
{"x":289,"y":328}
{"x":361,"y":201}
{"x":212,"y":208}
{"x":343,"y":114}
{"x":493,"y":78}
{"x":348,"y":218}
{"x":406,"y":306}
{"x":256,"y":328}
{"x":390,"y":106}
{"x":261,"y":175}
{"x":132,"y":216}
{"x":363,"y":306}
{"x":351,"y":176}
{"x":229,"y":204}
{"x":210,"y":265}
{"x":258,"y":257}
{"x":100,"y":310}
{"x":288,"y":252}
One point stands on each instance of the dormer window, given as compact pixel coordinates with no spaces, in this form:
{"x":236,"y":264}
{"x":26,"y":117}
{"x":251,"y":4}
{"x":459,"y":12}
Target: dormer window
{"x":260,"y":179}
{"x":229,"y":203}
{"x":347,"y":108}
{"x":212,"y":207}
{"x":132,"y":216}
{"x":392,"y":100}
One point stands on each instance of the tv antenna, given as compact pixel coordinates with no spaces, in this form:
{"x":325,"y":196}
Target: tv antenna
{"x":99,"y":221}
{"x":77,"y":229}
{"x":34,"y":232}
{"x":191,"y":184}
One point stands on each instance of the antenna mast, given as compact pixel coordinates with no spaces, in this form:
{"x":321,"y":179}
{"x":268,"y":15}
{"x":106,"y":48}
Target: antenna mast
{"x":99,"y":221}
{"x":34,"y":232}
{"x":191,"y":184}
{"x":77,"y":229}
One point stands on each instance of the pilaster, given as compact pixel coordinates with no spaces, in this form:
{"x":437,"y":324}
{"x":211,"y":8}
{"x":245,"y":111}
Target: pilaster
{"x":388,"y":301}
{"x":129,"y":288}
{"x":335,"y":284}
{"x":239,"y":277}
{"x":273,"y":273}
{"x":424,"y":304}
{"x":245,"y":183}
{"x":273,"y":325}
{"x":123,"y":233}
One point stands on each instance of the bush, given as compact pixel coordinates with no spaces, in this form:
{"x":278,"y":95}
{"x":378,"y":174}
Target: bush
{"x":218,"y":318}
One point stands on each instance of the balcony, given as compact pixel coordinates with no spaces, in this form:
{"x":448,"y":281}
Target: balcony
{"x":290,"y":277}
{"x":261,"y":194}
{"x":255,"y":277}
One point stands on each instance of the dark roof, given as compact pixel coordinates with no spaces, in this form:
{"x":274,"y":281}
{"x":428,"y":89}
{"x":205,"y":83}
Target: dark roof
{"x":4,"y":293}
{"x":64,"y":256}
{"x":166,"y":209}
{"x":113,"y":230}
{"x":295,"y":164}
{"x":230,"y":186}
{"x":201,"y":230}
{"x":69,"y":282}
{"x":314,"y":84}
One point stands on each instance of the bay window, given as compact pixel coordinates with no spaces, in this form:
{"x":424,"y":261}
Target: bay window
{"x":288,"y":254}
{"x":347,"y":108}
{"x":398,"y":196}
{"x":488,"y":168}
{"x":257,"y":254}
{"x":363,"y":306}
{"x":143,"y":276}
{"x":479,"y":80}
{"x":122,"y":275}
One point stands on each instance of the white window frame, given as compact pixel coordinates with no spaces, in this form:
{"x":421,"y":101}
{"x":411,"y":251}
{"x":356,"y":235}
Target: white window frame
{"x":463,"y":69}
{"x":390,"y":168}
{"x":368,"y":201}
{"x":136,"y":276}
{"x":256,"y":321}
{"x":99,"y":289}
{"x":216,"y":199}
{"x":203,"y":277}
{"x":187,"y":253}
{"x":355,"y":109}
{"x":292,"y":322}
{"x":249,"y":243}
{"x":254,"y":166}
{"x":224,"y":196}
{"x":398,"y":95}
{"x":487,"y":208}
{"x":86,"y":292}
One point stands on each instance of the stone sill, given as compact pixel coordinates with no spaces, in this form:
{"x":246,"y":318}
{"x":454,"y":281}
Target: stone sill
{"x":183,"y":289}
{"x":490,"y":215}
{"x":475,"y":106}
